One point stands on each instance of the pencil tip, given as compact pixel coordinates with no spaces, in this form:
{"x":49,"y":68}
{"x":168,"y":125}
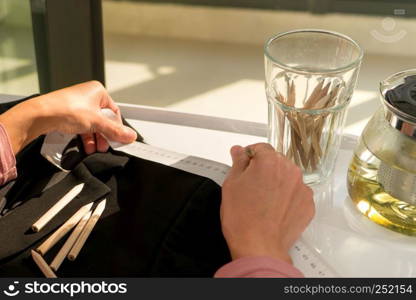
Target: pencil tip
{"x":89,"y":205}
{"x":103,"y":202}
{"x":78,"y":188}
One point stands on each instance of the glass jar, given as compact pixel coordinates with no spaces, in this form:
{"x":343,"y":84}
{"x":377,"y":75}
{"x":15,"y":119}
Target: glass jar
{"x":382,"y":174}
{"x":310,"y":78}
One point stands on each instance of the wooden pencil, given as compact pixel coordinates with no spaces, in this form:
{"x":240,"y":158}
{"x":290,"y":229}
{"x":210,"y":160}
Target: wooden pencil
{"x":63,"y":230}
{"x":43,"y":266}
{"x":306,"y":128}
{"x":59,"y":258}
{"x":54,"y":210}
{"x":87,"y":230}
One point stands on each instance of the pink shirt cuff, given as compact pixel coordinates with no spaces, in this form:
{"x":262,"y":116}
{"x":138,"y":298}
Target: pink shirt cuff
{"x":258,"y":267}
{"x":7,"y":159}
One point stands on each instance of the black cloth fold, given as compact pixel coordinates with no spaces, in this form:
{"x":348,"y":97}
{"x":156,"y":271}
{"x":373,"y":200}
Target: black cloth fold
{"x":158,"y":222}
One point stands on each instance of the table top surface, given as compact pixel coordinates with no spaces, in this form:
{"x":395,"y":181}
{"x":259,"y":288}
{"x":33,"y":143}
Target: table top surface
{"x":350,"y":243}
{"x":346,"y":240}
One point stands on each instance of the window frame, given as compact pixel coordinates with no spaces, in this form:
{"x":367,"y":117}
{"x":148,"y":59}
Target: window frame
{"x":67,"y":52}
{"x":363,"y":7}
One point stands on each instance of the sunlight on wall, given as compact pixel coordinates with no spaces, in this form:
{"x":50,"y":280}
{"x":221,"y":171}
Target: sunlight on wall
{"x":125,"y":74}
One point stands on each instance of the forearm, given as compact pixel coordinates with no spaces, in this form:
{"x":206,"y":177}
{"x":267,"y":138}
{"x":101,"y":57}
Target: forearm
{"x":26,"y":121}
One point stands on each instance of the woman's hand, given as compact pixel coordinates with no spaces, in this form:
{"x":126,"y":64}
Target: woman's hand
{"x":75,"y":110}
{"x":265,"y":204}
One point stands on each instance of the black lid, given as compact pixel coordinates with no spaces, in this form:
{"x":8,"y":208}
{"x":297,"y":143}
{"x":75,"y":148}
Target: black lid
{"x":403,"y":96}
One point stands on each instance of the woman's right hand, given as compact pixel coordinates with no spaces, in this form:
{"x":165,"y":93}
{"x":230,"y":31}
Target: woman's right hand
{"x":75,"y":110}
{"x":265,"y":204}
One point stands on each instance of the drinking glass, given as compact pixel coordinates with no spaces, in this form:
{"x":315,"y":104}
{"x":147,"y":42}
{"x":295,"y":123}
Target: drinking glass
{"x":310,"y":79}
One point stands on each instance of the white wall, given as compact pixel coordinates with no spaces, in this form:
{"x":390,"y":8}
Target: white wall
{"x":375,"y":34}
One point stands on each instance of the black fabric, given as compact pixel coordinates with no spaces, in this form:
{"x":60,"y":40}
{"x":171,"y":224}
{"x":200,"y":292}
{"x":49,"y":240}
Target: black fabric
{"x":158,"y":221}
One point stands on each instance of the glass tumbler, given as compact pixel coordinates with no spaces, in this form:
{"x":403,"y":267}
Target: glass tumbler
{"x":310,"y":79}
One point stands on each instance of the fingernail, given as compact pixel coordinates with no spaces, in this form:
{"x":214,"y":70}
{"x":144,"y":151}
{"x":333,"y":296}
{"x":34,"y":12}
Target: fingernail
{"x":130,"y":132}
{"x":89,"y":149}
{"x":235,"y":150}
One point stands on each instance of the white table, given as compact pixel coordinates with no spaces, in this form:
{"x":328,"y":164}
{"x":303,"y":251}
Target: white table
{"x":351,"y":244}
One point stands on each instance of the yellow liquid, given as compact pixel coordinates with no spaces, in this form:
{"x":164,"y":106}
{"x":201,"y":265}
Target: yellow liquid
{"x":374,"y":202}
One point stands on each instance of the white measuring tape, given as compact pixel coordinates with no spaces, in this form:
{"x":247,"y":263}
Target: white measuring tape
{"x":207,"y":168}
{"x":311,"y":263}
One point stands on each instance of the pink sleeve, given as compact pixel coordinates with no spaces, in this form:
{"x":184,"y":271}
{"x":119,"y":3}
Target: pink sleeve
{"x":258,"y":267}
{"x":7,"y":159}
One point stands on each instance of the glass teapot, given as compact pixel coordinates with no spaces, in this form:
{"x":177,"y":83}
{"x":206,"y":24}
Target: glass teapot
{"x":382,"y":174}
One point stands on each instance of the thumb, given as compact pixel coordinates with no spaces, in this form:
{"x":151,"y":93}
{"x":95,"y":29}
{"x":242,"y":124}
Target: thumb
{"x":240,"y":160}
{"x":114,"y":131}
